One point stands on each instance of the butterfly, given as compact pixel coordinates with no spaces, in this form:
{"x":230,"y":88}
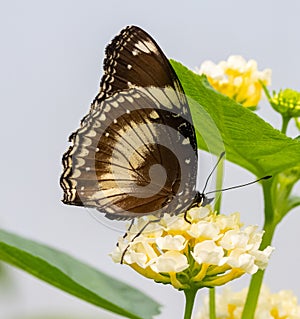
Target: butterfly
{"x":135,"y":152}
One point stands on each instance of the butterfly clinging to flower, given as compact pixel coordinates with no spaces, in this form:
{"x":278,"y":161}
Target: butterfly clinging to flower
{"x":135,"y":152}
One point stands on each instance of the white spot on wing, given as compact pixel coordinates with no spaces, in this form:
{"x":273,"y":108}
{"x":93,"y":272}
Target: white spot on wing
{"x":102,"y":117}
{"x":79,"y":162}
{"x":135,"y":52}
{"x":91,"y":133}
{"x":83,"y":152}
{"x":107,"y":108}
{"x":153,"y":115}
{"x":129,"y":66}
{"x":186,"y":141}
{"x":129,"y":99}
{"x":151,"y":46}
{"x":115,"y":104}
{"x":141,"y":46}
{"x":76,"y":173}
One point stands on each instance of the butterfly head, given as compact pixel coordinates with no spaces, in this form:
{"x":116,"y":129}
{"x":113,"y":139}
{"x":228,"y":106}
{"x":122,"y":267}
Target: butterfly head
{"x":201,"y":200}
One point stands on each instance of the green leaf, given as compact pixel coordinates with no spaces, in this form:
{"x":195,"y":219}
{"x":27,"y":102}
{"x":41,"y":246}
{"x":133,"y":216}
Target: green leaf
{"x":47,"y":316}
{"x":65,"y":272}
{"x":222,"y":123}
{"x":293,"y":202}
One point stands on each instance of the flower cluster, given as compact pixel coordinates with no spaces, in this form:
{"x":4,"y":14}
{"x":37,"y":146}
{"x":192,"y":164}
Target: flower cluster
{"x":286,"y":102}
{"x":273,"y":306}
{"x":210,"y":251}
{"x":237,"y":78}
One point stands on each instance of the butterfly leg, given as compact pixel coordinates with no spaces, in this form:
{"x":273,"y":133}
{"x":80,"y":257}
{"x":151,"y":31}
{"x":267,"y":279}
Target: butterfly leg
{"x":137,"y":235}
{"x":186,"y":218}
{"x":126,"y":234}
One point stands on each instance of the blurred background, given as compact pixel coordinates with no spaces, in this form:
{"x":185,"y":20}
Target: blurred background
{"x":51,"y":64}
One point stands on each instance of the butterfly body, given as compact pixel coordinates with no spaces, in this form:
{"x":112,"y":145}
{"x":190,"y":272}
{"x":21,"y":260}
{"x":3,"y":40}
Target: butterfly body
{"x":135,"y":152}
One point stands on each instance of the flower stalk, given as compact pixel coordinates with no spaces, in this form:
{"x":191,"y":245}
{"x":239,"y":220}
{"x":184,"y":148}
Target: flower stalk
{"x":190,"y":295}
{"x":219,"y":184}
{"x":212,"y":303}
{"x":285,"y":122}
{"x":269,"y":228}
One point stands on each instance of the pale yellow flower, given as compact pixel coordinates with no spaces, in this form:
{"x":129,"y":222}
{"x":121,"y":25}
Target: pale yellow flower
{"x":210,"y":251}
{"x":229,"y":305}
{"x":237,"y":78}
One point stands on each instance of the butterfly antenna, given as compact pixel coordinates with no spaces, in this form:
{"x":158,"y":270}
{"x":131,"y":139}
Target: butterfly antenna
{"x":209,"y":176}
{"x":238,"y":186}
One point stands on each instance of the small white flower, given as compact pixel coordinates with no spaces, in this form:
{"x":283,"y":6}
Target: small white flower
{"x":240,"y":259}
{"x":262,"y":257}
{"x":174,"y":224}
{"x":171,"y":261}
{"x":172,"y":245}
{"x":170,"y":242}
{"x":237,"y":78}
{"x":270,"y":305}
{"x":213,"y":70}
{"x":255,"y":237}
{"x":140,"y":252}
{"x":199,"y":213}
{"x":204,"y":229}
{"x":229,"y":222}
{"x":208,"y":252}
{"x":152,"y":230}
{"x":237,"y":62}
{"x":234,"y":239}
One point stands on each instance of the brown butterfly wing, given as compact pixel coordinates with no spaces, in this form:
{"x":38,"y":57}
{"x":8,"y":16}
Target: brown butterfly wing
{"x":135,"y":152}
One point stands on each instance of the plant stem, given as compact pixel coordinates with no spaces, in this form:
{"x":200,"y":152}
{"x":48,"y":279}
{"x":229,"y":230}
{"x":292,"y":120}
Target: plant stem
{"x":190,"y":295}
{"x":212,"y":303}
{"x":256,"y":280}
{"x":219,"y":183}
{"x":217,"y":207}
{"x":285,"y":122}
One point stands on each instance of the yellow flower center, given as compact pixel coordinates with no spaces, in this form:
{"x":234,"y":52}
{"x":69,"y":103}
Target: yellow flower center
{"x":274,"y":313}
{"x":231,"y":309}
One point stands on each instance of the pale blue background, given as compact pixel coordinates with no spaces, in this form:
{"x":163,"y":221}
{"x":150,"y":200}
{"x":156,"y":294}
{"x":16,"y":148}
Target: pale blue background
{"x":51,"y":63}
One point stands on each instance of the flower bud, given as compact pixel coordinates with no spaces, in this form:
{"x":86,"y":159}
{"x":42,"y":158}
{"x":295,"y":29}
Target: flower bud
{"x":286,"y":102}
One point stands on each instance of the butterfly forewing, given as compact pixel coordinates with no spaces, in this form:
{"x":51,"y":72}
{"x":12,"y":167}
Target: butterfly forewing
{"x":135,"y":152}
{"x":133,"y":57}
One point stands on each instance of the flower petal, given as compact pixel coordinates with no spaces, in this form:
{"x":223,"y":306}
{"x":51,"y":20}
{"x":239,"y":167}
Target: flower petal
{"x":171,"y":261}
{"x":208,"y":252}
